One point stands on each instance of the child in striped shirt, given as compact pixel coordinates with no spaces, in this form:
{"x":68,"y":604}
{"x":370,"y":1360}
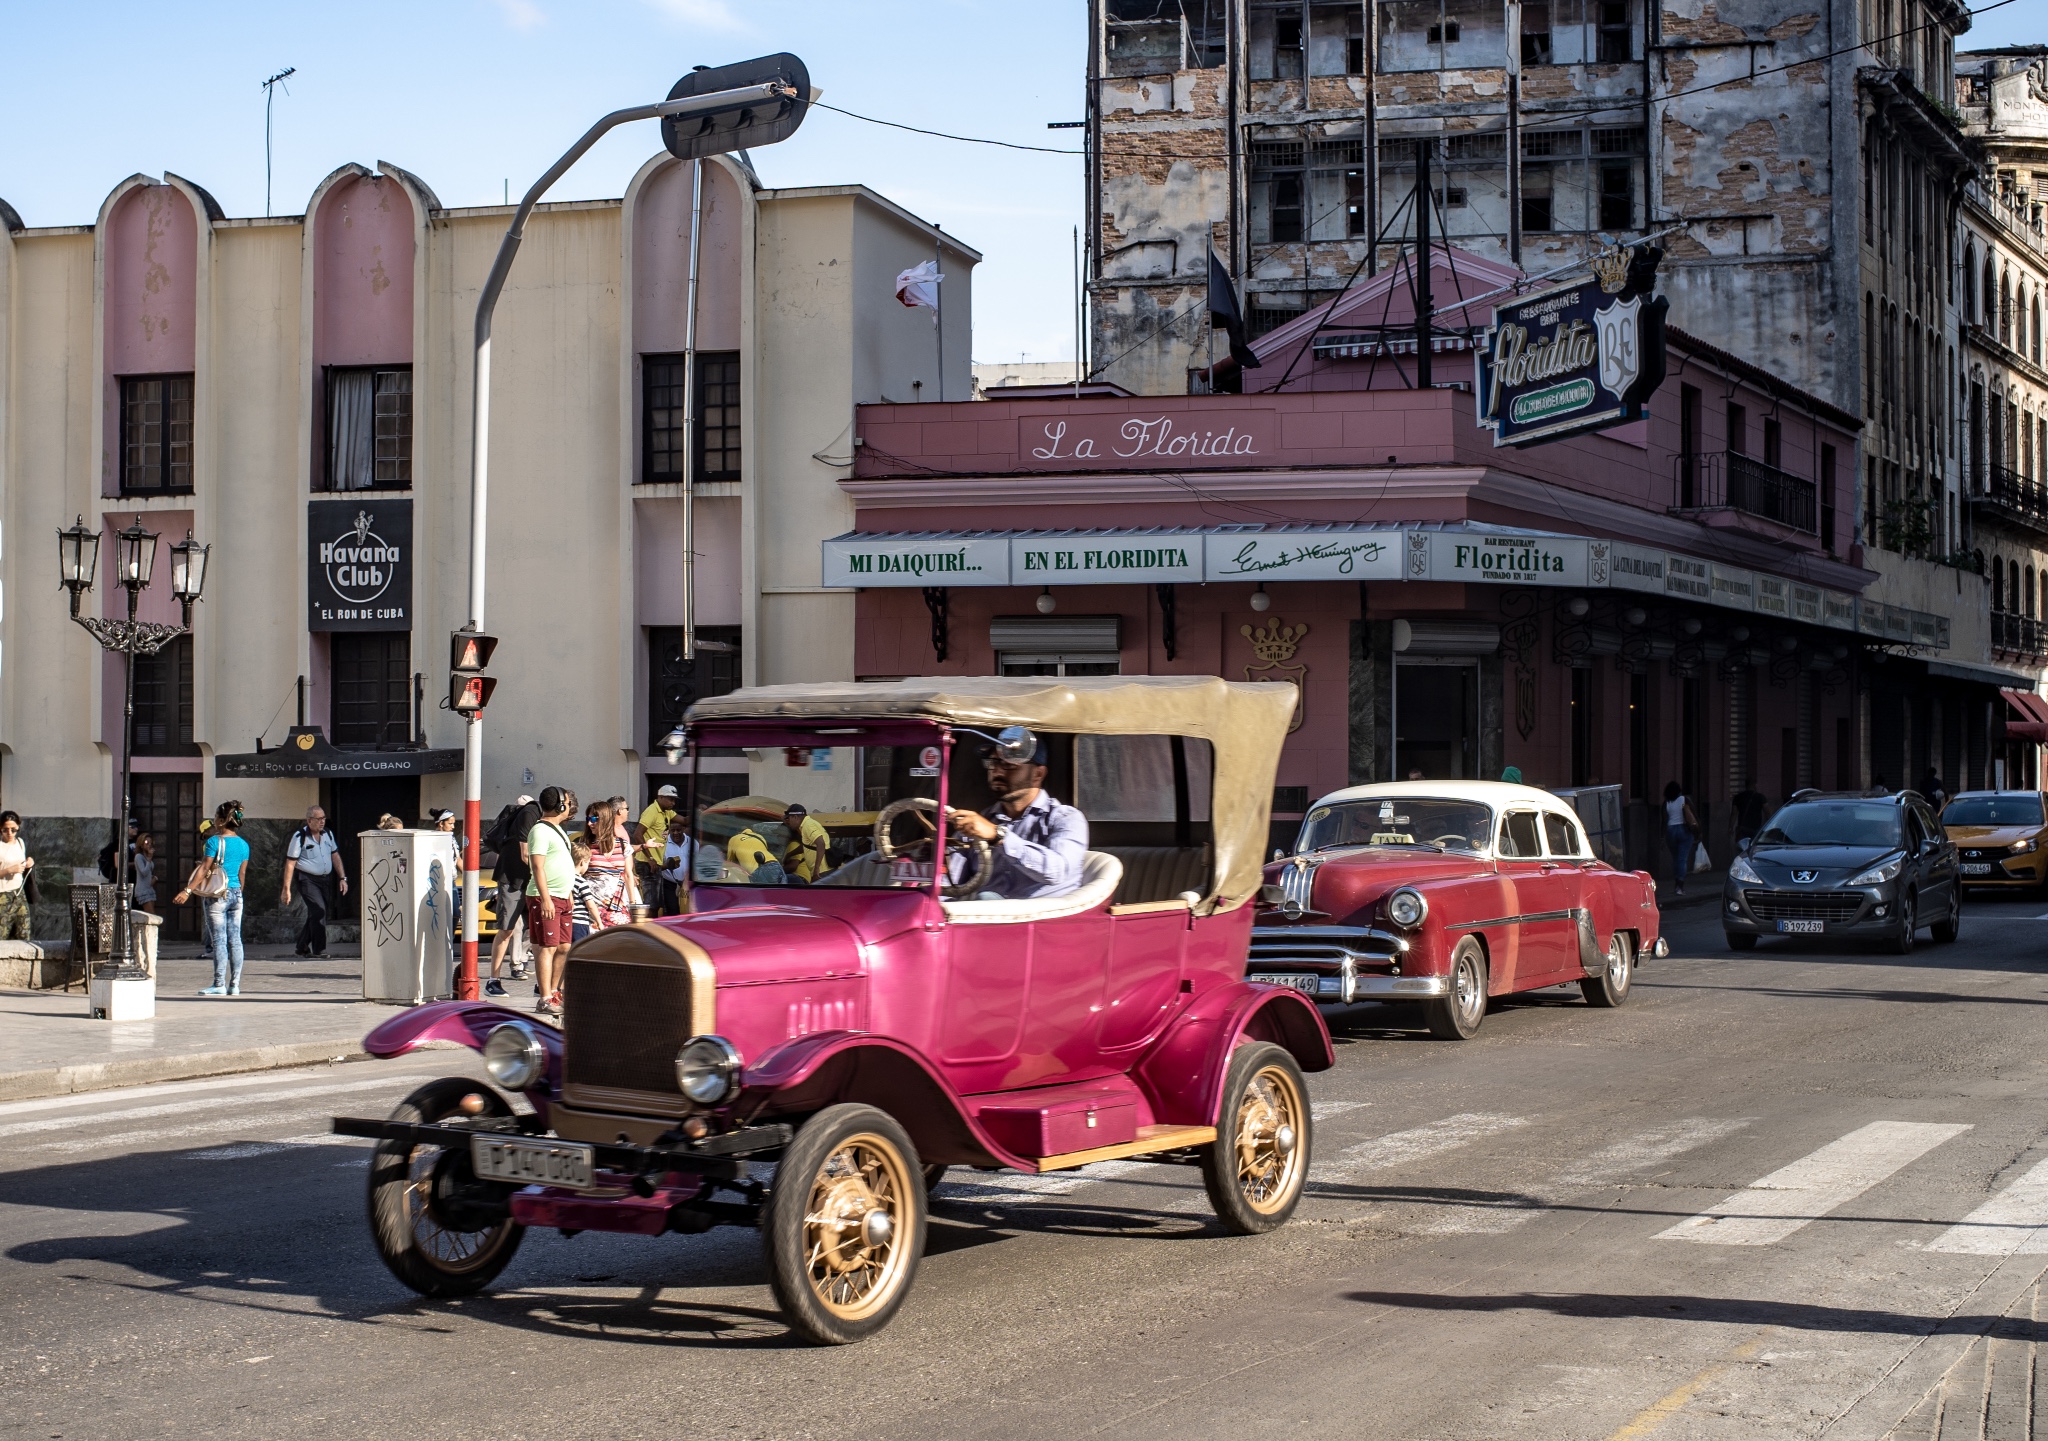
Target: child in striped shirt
{"x":583,"y":901}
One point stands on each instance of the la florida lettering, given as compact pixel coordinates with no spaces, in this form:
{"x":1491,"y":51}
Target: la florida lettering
{"x":912,"y":562}
{"x":1139,"y":438}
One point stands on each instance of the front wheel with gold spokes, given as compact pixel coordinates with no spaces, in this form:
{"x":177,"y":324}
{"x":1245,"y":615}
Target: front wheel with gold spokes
{"x":844,"y":1224}
{"x":1255,"y":1169}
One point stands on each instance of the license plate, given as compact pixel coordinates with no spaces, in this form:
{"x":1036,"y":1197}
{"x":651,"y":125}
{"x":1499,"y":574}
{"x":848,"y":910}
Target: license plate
{"x":1976,"y":869}
{"x":534,"y":1163}
{"x":1305,"y":984}
{"x":1802,"y":928}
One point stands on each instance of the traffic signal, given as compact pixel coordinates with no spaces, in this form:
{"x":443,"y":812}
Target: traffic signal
{"x":469,"y":689}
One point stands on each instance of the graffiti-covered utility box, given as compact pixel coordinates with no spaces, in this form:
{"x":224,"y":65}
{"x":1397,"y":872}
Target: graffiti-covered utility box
{"x":408,"y":901}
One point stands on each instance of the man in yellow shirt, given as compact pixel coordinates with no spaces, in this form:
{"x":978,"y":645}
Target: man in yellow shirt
{"x":652,"y":852}
{"x":750,"y":853}
{"x":804,"y":855}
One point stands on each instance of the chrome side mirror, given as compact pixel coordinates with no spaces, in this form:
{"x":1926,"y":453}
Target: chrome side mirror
{"x":1016,"y":744}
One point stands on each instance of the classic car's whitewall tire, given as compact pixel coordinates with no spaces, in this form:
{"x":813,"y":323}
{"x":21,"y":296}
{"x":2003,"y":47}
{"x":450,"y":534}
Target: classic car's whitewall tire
{"x":425,"y":1244}
{"x":844,"y":1224}
{"x":1610,"y":988}
{"x":1456,"y":1015}
{"x":1255,"y":1169}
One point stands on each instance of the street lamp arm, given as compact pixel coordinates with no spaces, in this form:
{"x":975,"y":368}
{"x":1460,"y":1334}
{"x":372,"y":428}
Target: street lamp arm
{"x":716,"y":101}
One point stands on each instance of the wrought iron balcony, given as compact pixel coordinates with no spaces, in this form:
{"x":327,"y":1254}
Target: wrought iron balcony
{"x":2018,"y":634}
{"x":1727,"y":480}
{"x":2012,"y":498}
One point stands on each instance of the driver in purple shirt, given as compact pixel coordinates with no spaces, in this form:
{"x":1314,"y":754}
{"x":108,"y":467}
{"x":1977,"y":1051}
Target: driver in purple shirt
{"x":1038,"y":842}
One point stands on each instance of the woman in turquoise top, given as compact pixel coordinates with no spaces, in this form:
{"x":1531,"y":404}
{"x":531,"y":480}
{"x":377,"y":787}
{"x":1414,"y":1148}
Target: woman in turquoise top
{"x":229,"y":854}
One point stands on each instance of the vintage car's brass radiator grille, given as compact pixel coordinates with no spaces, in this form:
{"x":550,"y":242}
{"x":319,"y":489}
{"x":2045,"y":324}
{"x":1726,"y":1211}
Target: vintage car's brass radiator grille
{"x":1804,"y":905}
{"x":623,"y":1025}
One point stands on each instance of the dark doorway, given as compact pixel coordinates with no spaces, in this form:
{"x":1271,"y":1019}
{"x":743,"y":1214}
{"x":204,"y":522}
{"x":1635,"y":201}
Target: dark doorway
{"x":168,"y":808}
{"x":352,"y":807}
{"x":372,"y":673}
{"x":1788,"y":762}
{"x":1436,"y":719}
{"x":1582,"y":727}
{"x":1638,"y":737}
{"x":1845,"y":755}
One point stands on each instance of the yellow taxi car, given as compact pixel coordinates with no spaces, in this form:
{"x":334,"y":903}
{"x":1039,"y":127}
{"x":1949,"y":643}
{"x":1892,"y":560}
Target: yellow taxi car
{"x":2001,"y":837}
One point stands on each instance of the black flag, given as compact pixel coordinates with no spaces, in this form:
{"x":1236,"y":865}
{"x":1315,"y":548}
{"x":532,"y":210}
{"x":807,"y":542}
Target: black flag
{"x":1223,"y":309}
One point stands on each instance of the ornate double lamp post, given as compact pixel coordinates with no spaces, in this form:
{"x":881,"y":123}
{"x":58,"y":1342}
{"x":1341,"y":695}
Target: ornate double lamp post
{"x":78,"y":555}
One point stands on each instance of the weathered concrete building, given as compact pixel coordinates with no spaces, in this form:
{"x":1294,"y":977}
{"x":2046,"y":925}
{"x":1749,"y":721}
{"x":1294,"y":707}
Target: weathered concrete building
{"x":2002,"y":390}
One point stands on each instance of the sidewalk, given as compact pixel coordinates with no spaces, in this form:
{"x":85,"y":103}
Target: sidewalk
{"x":291,"y":1012}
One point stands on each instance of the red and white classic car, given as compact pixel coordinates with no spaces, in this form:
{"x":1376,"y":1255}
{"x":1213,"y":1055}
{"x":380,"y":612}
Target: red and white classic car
{"x":868,"y":1018}
{"x":1447,"y":893}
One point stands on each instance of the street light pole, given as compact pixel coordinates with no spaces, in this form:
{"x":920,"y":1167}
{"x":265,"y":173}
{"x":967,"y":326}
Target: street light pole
{"x":134,"y":562}
{"x":771,"y":92}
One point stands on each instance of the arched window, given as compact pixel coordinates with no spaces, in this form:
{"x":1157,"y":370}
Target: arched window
{"x":2012,"y":585}
{"x":1997,"y":583}
{"x":2027,"y":595}
{"x":1987,"y":319}
{"x":2034,"y":329}
{"x":2005,"y":309}
{"x":1970,"y":282}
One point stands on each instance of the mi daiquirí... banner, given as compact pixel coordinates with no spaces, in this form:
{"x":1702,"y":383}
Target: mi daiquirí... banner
{"x":1265,"y":555}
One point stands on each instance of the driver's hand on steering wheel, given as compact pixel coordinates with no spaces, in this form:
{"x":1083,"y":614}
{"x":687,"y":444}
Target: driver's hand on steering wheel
{"x":973,"y":823}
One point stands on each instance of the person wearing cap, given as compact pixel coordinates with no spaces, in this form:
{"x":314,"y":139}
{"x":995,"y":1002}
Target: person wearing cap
{"x":804,"y":854}
{"x":1039,"y":843}
{"x":652,"y":850}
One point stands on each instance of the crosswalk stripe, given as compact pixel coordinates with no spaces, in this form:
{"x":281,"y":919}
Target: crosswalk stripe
{"x":1323,"y":1110}
{"x":154,"y":1089}
{"x":1636,"y":1154}
{"x":1015,"y":1188}
{"x":244,"y":1149}
{"x":253,"y":1104}
{"x":1400,"y":1147}
{"x":2012,"y":1223}
{"x":1768,"y":1210}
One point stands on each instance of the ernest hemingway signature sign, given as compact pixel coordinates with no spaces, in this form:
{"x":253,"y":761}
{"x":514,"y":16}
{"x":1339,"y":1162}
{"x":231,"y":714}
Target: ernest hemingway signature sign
{"x":1207,"y":438}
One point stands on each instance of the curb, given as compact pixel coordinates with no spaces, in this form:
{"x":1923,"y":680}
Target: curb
{"x":142,"y":1070}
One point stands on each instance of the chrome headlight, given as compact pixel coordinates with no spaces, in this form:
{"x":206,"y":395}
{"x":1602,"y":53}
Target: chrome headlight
{"x":1880,"y":874}
{"x":708,"y":1069}
{"x":514,"y":1056}
{"x":2020,"y":848}
{"x":1406,"y":908}
{"x":1741,"y":870}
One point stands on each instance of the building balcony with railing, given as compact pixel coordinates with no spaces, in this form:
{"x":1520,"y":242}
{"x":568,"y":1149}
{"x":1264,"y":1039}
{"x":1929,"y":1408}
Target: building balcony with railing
{"x":1728,"y":484}
{"x":2003,"y":494}
{"x":2022,"y":217}
{"x":2019,"y":635}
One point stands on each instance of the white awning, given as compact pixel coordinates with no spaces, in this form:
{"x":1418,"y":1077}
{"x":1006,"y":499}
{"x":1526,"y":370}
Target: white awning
{"x":1454,"y":551}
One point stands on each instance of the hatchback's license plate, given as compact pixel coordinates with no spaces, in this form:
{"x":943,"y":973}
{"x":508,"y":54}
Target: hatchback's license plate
{"x":1305,"y":984}
{"x":1803,"y":928}
{"x":1976,"y":869}
{"x":534,"y":1163}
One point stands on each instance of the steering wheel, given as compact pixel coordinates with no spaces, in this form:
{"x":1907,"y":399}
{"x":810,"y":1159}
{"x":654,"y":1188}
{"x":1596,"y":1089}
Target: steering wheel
{"x":1460,"y":841}
{"x":956,"y":842}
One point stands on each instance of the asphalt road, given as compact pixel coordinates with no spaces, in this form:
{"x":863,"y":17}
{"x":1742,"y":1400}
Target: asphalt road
{"x":1792,"y":1193}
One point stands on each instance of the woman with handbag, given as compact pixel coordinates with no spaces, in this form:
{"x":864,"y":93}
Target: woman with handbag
{"x":17,"y":880}
{"x":217,"y":881}
{"x":1681,"y":833}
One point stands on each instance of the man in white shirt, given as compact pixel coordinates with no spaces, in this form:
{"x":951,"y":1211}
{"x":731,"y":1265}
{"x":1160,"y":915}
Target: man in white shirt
{"x":313,"y":858}
{"x":15,"y":864}
{"x":677,"y":854}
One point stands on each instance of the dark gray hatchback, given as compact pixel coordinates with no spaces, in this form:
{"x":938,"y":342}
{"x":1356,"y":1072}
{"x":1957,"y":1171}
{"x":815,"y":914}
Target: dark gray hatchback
{"x":1852,"y":866}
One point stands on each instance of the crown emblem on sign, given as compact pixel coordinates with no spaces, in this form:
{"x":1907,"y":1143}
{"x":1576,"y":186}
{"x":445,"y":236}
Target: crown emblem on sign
{"x":1612,"y":268}
{"x":1273,"y":642}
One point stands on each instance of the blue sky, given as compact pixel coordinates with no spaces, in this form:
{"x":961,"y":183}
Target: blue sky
{"x":469,"y":93}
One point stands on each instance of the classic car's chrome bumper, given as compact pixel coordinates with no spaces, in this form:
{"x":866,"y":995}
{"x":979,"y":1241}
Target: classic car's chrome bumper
{"x":1338,"y":965}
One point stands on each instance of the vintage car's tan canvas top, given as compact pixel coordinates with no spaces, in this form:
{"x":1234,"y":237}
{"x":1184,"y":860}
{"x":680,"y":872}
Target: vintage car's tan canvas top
{"x":1244,"y":721}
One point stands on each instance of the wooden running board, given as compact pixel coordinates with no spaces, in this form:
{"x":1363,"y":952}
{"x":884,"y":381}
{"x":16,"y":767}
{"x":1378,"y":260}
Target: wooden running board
{"x":1150,"y":1138}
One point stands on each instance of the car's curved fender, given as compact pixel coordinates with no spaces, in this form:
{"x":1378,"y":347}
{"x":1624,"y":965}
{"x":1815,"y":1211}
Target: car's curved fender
{"x":828,"y":1067}
{"x":1183,"y":1074}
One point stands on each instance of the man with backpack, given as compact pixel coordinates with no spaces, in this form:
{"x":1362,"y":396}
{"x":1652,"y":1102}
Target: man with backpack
{"x":313,"y":858}
{"x":507,"y":838}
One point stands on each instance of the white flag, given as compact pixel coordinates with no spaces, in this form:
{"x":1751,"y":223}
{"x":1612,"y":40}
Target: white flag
{"x":919,"y":285}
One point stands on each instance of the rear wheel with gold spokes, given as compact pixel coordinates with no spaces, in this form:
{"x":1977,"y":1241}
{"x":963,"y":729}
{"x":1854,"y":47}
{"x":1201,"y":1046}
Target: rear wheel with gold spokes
{"x":844,"y":1224}
{"x":1255,"y":1169}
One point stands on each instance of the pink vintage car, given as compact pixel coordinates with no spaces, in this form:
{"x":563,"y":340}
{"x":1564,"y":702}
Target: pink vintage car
{"x":1448,"y":893}
{"x":863,"y":1014}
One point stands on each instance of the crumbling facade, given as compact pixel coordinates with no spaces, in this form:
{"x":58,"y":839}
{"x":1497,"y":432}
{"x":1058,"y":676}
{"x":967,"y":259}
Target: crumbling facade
{"x":2002,"y":388}
{"x":1285,"y":133}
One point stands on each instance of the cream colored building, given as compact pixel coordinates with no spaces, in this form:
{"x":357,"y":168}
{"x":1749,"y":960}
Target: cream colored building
{"x":260,"y":381}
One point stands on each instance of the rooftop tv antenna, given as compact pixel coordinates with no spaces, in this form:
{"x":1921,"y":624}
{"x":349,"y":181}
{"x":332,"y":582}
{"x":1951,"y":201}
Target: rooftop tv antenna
{"x":270,"y":95}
